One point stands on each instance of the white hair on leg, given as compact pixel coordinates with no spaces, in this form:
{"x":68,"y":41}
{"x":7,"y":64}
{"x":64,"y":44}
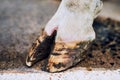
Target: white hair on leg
{"x":74,"y":18}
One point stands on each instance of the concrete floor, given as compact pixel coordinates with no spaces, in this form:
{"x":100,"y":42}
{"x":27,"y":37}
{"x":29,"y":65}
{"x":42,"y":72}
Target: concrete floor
{"x":111,"y":10}
{"x":71,"y":74}
{"x":21,"y":20}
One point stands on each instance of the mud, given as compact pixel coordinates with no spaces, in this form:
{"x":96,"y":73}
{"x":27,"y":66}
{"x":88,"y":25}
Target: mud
{"x":105,"y":50}
{"x":22,"y":21}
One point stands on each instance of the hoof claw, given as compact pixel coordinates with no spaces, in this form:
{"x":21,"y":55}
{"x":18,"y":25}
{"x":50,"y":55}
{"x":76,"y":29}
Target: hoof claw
{"x":63,"y":58}
{"x":40,"y":49}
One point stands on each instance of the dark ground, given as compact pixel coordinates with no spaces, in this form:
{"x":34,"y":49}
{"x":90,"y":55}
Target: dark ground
{"x":105,"y":50}
{"x":22,"y":20}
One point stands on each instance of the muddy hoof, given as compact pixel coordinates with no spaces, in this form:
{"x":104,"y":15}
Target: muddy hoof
{"x":40,"y":49}
{"x":64,"y":57}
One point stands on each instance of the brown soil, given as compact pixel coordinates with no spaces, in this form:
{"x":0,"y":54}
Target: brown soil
{"x":104,"y":52}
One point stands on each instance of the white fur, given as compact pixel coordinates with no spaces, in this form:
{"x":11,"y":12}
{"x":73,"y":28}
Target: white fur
{"x":73,"y":20}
